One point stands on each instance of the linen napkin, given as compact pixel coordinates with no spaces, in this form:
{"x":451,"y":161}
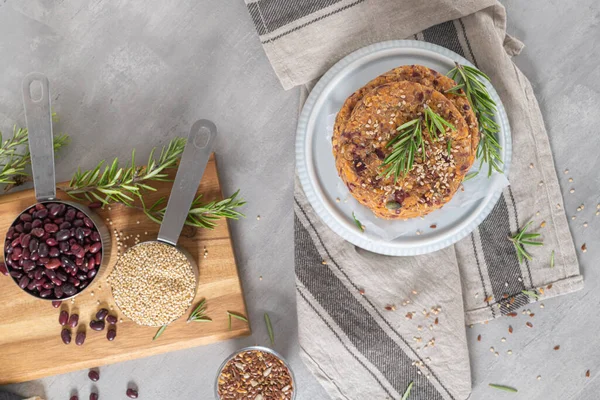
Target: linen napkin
{"x":370,"y":324}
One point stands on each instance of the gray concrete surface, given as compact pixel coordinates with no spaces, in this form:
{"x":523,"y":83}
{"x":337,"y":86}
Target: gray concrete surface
{"x":134,"y":74}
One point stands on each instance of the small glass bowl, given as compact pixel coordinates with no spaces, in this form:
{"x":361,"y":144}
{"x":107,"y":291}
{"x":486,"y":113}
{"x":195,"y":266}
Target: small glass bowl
{"x":256,"y":348}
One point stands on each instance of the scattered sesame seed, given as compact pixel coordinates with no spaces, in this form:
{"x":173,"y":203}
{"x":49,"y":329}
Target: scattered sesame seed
{"x":585,"y":224}
{"x":543,"y":224}
{"x":503,"y":339}
{"x":324,"y":262}
{"x":260,"y":278}
{"x":539,"y":377}
{"x":572,"y":191}
{"x":509,"y":352}
{"x":542,"y":305}
{"x":584,"y":248}
{"x":337,"y":199}
{"x":92,"y":293}
{"x":258,"y":217}
{"x":492,"y":349}
{"x":137,"y":222}
{"x":566,"y":171}
{"x":541,"y":183}
{"x":573,"y":217}
{"x":496,"y":354}
{"x":570,"y":179}
{"x":531,"y":165}
{"x":537,"y":213}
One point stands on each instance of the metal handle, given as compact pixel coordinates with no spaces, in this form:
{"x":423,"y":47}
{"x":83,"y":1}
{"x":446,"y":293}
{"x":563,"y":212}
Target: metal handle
{"x":38,"y":118}
{"x":191,"y":168}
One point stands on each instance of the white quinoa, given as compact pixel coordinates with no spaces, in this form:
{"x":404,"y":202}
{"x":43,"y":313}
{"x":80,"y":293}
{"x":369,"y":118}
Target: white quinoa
{"x":153,"y":283}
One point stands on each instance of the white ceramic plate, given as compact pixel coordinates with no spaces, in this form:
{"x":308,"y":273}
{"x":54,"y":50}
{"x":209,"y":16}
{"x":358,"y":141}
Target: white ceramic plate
{"x":316,"y":166}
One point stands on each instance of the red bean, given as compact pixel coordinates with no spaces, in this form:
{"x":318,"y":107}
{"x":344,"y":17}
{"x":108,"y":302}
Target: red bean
{"x":80,"y":338}
{"x":74,"y":397}
{"x":51,"y":228}
{"x":111,"y":334}
{"x":28,"y":265}
{"x":65,"y":335}
{"x":94,"y":396}
{"x":69,"y":289}
{"x":98,"y":259}
{"x":132,"y":393}
{"x":111,"y":319}
{"x":94,"y":248}
{"x":19,"y":228}
{"x":73,"y":320}
{"x":24,"y":281}
{"x":53,"y":263}
{"x":97,"y":325}
{"x":37,"y":223}
{"x":16,"y":274}
{"x":58,"y":293}
{"x":95,"y":236}
{"x":101,"y":314}
{"x":78,"y":223}
{"x":25,"y":217}
{"x":3,"y":269}
{"x":91,"y":273}
{"x":94,"y":375}
{"x":63,"y":317}
{"x":45,"y":293}
{"x":62,"y":235}
{"x":39,"y":232}
{"x":31,"y":285}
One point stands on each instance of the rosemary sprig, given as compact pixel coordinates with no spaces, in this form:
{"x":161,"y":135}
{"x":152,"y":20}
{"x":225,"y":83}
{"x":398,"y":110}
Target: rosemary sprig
{"x":199,"y":313}
{"x":357,"y":223}
{"x":502,"y":387}
{"x":236,"y":316}
{"x":115,"y":184}
{"x":484,"y":107}
{"x":13,"y":162}
{"x":200,"y":215}
{"x":407,"y":391}
{"x":409,"y":141}
{"x":521,"y":239}
{"x":159,"y":332}
{"x":404,"y":147}
{"x":436,"y":124}
{"x":531,"y":294}
{"x":270,"y":329}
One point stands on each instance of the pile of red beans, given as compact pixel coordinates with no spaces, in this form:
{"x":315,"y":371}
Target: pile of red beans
{"x":53,"y":250}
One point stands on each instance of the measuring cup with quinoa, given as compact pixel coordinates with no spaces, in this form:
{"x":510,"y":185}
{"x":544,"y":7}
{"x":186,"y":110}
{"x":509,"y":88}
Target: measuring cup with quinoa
{"x":255,"y":373}
{"x":154,"y":282}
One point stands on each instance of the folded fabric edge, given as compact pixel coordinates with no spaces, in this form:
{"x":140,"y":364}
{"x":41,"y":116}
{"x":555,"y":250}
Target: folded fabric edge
{"x":551,"y":289}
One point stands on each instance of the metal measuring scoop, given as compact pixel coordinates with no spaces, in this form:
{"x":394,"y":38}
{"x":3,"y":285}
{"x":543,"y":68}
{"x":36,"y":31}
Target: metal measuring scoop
{"x":193,"y":162}
{"x":38,"y":119}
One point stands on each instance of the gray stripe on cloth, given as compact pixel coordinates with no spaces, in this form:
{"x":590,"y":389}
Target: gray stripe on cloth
{"x":316,"y":19}
{"x":270,"y":15}
{"x":501,"y":257}
{"x":501,"y":262}
{"x":354,"y":320}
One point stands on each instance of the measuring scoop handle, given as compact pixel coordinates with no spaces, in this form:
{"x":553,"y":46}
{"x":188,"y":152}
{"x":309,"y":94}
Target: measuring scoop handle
{"x":191,"y":168}
{"x":38,"y":117}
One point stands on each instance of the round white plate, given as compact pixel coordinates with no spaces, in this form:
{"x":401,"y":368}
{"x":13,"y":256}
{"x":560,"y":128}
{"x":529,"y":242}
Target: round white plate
{"x":316,"y":166}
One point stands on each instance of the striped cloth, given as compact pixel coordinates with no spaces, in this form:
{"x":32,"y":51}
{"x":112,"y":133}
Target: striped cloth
{"x":356,"y":347}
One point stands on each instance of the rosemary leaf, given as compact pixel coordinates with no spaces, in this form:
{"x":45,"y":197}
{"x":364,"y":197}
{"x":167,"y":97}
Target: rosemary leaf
{"x":407,"y":391}
{"x":502,"y":387}
{"x":236,"y":316}
{"x":357,"y":223}
{"x":531,"y":294}
{"x":470,"y":175}
{"x":199,"y":313}
{"x":159,"y":332}
{"x":521,"y":239}
{"x":270,"y":329}
{"x":552,"y":259}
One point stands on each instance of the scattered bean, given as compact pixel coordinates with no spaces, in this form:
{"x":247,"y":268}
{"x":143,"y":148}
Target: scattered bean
{"x":63,"y":317}
{"x":93,"y":396}
{"x":73,"y":320}
{"x":97,"y":325}
{"x":74,"y":397}
{"x":111,"y":319}
{"x":101,"y":314}
{"x":80,"y":338}
{"x":132,"y":393}
{"x":65,"y":335}
{"x":94,"y":375}
{"x":56,"y":303}
{"x":111,"y":334}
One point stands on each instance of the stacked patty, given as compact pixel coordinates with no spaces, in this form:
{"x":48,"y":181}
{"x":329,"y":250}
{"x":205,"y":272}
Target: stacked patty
{"x":368,"y":121}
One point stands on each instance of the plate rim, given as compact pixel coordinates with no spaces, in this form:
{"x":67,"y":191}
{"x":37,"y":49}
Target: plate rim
{"x":353,"y":235}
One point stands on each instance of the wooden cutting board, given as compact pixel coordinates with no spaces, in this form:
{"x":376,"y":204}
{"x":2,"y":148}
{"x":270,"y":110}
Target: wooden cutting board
{"x":30,"y":343}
